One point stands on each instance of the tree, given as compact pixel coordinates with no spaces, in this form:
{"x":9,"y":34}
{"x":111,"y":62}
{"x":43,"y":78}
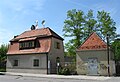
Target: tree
{"x":116,"y":48}
{"x":79,"y":26}
{"x":106,"y":24}
{"x":73,"y":28}
{"x":90,"y":24}
{"x":3,"y":51}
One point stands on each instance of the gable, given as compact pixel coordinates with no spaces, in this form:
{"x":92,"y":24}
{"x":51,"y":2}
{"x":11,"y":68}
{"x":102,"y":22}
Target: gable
{"x":93,"y":42}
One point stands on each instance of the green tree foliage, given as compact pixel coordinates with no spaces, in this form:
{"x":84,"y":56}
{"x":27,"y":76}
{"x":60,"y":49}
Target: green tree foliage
{"x":73,"y":28}
{"x":78,"y":26}
{"x":90,"y":24}
{"x":106,"y":24}
{"x":116,"y":48}
{"x":3,"y":51}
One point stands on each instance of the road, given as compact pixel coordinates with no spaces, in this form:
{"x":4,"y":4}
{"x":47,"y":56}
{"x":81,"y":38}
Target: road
{"x":9,"y":78}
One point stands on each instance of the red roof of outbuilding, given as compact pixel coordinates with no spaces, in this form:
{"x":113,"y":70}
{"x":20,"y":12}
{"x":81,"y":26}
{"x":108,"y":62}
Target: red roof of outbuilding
{"x":93,"y":42}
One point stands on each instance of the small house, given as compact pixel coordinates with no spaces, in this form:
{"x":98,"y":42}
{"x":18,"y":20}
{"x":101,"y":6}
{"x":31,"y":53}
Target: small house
{"x":92,"y":57}
{"x":35,"y":51}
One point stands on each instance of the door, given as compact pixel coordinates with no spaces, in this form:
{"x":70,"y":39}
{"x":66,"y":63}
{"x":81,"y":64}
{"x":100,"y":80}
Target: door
{"x":92,"y":66}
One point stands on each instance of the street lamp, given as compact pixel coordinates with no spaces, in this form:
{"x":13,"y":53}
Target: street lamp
{"x":108,"y":55}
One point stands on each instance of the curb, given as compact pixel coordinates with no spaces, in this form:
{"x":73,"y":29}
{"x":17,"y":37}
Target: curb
{"x":77,"y":77}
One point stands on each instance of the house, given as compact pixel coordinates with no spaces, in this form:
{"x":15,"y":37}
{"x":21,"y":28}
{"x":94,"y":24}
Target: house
{"x":92,"y":57}
{"x":35,"y":51}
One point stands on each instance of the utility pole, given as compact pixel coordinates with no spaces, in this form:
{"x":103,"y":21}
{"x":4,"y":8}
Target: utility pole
{"x":108,"y":55}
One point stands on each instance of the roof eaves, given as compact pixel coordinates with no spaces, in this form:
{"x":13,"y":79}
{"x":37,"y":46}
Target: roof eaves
{"x":27,"y":53}
{"x":14,"y":39}
{"x":92,"y":50}
{"x":59,"y":37}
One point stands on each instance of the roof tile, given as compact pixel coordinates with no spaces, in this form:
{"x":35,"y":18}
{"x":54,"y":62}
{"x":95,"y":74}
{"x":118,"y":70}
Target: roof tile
{"x":93,"y":42}
{"x":44,"y":46}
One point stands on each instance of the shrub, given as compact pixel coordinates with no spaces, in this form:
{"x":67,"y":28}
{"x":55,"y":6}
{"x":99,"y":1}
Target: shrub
{"x":64,"y":71}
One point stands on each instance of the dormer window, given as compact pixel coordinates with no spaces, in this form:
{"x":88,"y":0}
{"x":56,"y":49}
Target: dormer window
{"x":27,"y":45}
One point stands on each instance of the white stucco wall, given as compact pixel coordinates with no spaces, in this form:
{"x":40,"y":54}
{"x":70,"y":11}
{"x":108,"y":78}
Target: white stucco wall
{"x":54,"y":53}
{"x":101,"y":55}
{"x":25,"y":63}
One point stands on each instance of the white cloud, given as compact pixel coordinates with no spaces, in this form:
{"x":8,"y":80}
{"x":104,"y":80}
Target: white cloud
{"x":110,"y":7}
{"x":24,"y":5}
{"x":19,"y":7}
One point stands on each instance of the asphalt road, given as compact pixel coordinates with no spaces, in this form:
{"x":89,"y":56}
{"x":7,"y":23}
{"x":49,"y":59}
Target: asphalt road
{"x":9,"y":78}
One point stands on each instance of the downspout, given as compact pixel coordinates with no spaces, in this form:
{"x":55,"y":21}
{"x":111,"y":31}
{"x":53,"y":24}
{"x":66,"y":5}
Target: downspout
{"x":47,"y":62}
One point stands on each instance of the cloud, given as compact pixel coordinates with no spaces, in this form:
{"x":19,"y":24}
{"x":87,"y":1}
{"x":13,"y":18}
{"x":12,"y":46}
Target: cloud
{"x":17,"y":9}
{"x":111,"y":7}
{"x":24,"y":5}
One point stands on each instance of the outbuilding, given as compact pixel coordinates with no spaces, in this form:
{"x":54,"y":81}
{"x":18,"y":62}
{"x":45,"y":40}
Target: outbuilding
{"x":93,"y":57}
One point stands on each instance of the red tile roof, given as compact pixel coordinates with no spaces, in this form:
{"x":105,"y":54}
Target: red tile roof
{"x":45,"y":45}
{"x":43,"y":32}
{"x":37,"y":34}
{"x":27,"y":39}
{"x":93,"y":42}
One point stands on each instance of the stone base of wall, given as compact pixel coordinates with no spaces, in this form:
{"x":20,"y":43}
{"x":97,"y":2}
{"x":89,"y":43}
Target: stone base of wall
{"x":34,"y":71}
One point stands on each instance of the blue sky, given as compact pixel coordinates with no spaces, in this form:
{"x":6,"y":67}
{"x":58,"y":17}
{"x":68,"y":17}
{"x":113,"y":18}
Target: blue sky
{"x":16,"y":16}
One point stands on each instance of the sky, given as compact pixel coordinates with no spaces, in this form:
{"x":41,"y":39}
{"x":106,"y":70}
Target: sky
{"x":17,"y":16}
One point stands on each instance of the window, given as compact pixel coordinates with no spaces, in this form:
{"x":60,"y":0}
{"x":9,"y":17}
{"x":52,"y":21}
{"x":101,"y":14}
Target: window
{"x":36,"y":63}
{"x":58,"y":59}
{"x":57,"y":45}
{"x":25,"y":45}
{"x":15,"y":63}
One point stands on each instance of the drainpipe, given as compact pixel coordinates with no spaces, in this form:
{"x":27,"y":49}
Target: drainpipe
{"x":47,"y":62}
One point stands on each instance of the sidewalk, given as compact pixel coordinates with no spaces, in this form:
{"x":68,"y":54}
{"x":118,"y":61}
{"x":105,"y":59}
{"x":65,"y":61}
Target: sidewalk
{"x":78,"y":77}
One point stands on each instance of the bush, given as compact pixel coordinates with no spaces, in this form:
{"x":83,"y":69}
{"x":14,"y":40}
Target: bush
{"x":69,"y":69}
{"x":64,"y":71}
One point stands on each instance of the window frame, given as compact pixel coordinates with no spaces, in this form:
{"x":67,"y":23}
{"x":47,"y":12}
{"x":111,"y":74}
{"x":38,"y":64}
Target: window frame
{"x":26,"y":45}
{"x":57,"y":45}
{"x":36,"y":62}
{"x":16,"y":62}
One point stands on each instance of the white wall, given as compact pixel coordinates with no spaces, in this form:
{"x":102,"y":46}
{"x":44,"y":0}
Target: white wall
{"x":26,"y":61}
{"x":54,"y":53}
